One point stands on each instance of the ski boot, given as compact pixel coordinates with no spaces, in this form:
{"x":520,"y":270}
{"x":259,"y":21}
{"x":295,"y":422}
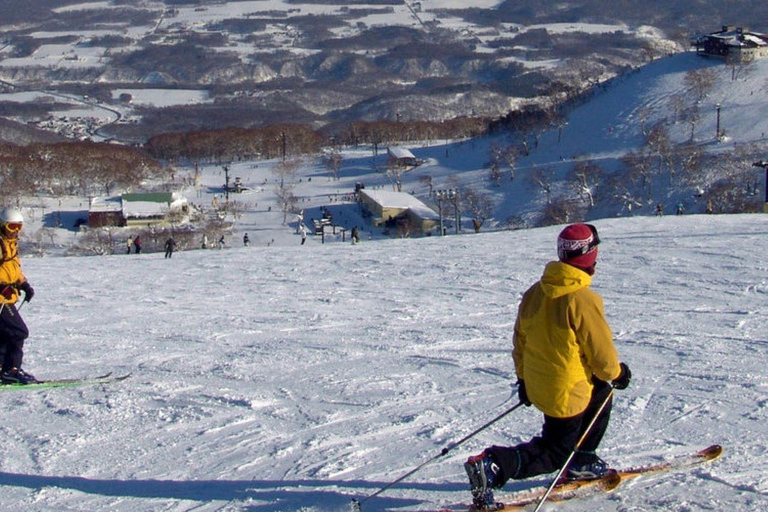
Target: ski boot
{"x":16,"y":376}
{"x":482,"y":473}
{"x":587,"y":466}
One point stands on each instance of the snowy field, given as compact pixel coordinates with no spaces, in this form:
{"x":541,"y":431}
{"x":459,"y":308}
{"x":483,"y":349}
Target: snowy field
{"x":297,"y":378}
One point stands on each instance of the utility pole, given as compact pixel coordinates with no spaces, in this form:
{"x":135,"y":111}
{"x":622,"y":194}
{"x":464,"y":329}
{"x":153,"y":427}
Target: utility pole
{"x":226,"y":182}
{"x":717,"y":132}
{"x":764,"y":165}
{"x":439,"y":195}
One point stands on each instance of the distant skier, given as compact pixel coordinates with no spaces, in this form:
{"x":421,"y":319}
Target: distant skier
{"x":128,"y":244}
{"x":303,"y":234}
{"x":170,"y":245}
{"x":137,"y":244}
{"x":355,"y":236}
{"x":205,"y":241}
{"x":565,"y":362}
{"x":680,"y":208}
{"x":246,"y":240}
{"x":222,"y":242}
{"x":13,"y":330}
{"x":659,"y":210}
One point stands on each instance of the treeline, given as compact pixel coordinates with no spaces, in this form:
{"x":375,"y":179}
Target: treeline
{"x":383,"y":132}
{"x":230,"y":144}
{"x":89,"y":168}
{"x":63,"y":168}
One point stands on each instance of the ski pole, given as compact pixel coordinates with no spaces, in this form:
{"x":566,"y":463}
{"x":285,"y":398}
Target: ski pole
{"x":573,"y":453}
{"x":357,"y":506}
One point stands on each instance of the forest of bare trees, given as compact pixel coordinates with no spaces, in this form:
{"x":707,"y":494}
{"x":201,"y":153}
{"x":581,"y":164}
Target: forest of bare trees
{"x":232,"y":144}
{"x":83,"y":168}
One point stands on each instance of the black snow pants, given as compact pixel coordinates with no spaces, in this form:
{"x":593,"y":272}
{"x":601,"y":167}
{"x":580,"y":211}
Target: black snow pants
{"x":548,"y":453}
{"x":13,"y":332}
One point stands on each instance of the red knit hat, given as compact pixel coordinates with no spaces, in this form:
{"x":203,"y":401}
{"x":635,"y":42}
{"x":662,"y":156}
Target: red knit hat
{"x":577,"y":245}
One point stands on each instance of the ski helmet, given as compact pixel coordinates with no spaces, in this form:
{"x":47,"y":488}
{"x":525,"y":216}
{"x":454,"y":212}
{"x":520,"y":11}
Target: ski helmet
{"x":11,"y":215}
{"x":577,"y":245}
{"x":11,"y":220}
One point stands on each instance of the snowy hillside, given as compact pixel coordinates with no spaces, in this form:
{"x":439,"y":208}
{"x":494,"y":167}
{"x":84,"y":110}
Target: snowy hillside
{"x":610,"y":124}
{"x":602,"y":130}
{"x":298,"y":378}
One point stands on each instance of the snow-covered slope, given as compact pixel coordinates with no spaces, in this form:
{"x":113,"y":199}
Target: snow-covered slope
{"x":610,"y":124}
{"x":298,"y":378}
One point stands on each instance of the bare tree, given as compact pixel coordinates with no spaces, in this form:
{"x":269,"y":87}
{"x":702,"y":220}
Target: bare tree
{"x":479,"y":205}
{"x":498,"y":155}
{"x":659,"y":146}
{"x":286,"y":175}
{"x":495,"y":151}
{"x":739,"y":65}
{"x":544,"y":178}
{"x":427,"y":180}
{"x":395,"y":174}
{"x":332,"y":160}
{"x":639,"y":172}
{"x":585,"y":177}
{"x":700,"y":81}
{"x":560,"y":211}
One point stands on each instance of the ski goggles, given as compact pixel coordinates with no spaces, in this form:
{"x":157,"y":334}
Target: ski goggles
{"x":13,"y":227}
{"x":578,"y":247}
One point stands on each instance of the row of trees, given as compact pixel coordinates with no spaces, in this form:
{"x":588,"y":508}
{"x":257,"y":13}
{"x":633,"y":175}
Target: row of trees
{"x":290,"y":140}
{"x":83,"y":168}
{"x":231,"y":144}
{"x":385,"y":131}
{"x":720,"y":183}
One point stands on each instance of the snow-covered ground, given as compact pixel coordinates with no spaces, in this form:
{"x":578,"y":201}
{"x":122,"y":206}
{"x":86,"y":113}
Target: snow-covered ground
{"x":297,"y":378}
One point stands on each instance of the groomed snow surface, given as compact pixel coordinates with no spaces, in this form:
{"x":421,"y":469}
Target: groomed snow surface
{"x":295,"y":378}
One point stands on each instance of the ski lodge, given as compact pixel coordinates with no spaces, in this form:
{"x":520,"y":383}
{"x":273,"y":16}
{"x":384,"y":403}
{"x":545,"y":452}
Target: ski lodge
{"x":402,"y":157}
{"x":387,"y":206}
{"x":736,"y":43}
{"x":136,"y":210}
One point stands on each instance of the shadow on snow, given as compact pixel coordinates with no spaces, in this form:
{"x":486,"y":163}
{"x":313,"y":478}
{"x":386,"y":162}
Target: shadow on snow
{"x":267,"y":495}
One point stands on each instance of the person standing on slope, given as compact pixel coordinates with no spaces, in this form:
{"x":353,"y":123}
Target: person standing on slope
{"x":566,"y":365}
{"x":13,"y":330}
{"x":170,"y":245}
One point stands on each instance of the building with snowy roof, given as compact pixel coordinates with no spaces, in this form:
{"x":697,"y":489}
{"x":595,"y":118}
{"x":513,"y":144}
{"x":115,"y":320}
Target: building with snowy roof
{"x":136,"y":209}
{"x":735,"y":43}
{"x":402,"y":157}
{"x":387,"y":206}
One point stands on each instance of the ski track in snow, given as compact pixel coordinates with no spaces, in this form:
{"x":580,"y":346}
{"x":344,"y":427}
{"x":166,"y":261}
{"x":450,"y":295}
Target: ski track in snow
{"x":274,"y":380}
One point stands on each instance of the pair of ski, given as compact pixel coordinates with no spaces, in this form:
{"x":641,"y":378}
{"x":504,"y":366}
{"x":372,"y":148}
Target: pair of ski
{"x":107,"y":378}
{"x":584,"y":488}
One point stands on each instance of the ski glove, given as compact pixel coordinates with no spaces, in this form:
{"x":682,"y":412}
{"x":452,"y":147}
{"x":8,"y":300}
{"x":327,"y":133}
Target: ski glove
{"x":622,"y":381}
{"x":29,"y":292}
{"x":522,"y":394}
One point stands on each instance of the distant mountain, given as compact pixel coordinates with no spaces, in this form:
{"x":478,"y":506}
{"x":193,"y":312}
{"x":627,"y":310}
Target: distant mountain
{"x":320,"y":61}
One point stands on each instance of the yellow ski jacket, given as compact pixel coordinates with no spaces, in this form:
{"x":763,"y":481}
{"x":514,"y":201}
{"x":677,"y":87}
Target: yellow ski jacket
{"x":561,"y":340}
{"x":10,"y":268}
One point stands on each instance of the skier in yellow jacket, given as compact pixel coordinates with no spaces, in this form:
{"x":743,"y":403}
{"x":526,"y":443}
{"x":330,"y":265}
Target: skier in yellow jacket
{"x":13,"y":330}
{"x":566,"y":365}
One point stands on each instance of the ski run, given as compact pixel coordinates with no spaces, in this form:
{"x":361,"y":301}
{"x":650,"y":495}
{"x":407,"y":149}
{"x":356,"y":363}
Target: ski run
{"x":299,"y":378}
